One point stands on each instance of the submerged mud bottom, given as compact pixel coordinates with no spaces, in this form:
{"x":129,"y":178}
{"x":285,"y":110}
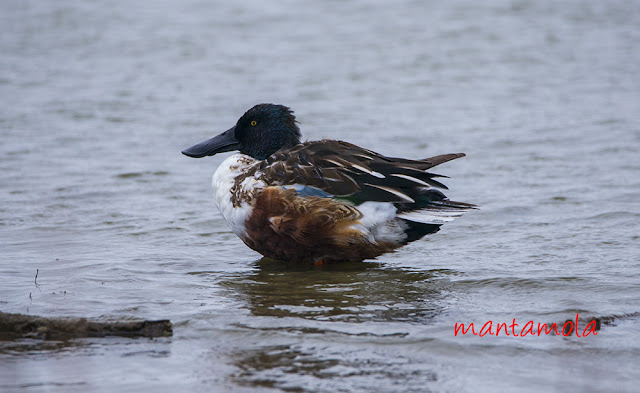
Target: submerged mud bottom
{"x":16,"y":326}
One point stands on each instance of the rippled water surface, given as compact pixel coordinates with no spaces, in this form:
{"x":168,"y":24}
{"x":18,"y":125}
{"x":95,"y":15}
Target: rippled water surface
{"x":98,"y":99}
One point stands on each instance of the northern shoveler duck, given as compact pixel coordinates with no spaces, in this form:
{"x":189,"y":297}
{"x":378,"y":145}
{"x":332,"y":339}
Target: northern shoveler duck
{"x":321,"y":201}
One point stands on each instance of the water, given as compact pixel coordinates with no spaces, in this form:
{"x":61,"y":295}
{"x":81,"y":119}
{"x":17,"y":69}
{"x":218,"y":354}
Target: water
{"x":98,"y":99}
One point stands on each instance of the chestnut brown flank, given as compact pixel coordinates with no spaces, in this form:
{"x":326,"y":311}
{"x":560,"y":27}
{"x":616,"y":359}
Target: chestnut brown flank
{"x":286,"y":226}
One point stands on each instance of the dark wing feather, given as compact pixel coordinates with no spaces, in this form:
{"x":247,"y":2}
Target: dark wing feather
{"x":346,"y":170}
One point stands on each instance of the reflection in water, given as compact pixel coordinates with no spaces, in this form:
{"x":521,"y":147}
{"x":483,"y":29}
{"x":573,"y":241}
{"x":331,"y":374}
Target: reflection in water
{"x":37,"y":347}
{"x":257,"y":367}
{"x":304,"y":298}
{"x":49,"y":349}
{"x":295,"y":369}
{"x":353,"y":292}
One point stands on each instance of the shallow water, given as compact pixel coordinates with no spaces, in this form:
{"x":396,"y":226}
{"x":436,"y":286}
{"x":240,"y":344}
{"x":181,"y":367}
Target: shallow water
{"x":99,"y":99}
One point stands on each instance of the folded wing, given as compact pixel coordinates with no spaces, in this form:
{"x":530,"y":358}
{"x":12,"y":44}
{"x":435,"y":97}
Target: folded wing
{"x":350,"y":172}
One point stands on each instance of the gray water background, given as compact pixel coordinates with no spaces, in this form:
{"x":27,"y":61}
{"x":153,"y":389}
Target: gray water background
{"x":98,"y":98}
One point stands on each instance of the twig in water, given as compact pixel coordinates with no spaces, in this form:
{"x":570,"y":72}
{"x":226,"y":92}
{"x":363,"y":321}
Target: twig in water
{"x":35,"y":280}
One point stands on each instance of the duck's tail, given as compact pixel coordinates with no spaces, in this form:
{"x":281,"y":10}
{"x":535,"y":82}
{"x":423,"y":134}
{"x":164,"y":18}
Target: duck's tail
{"x":431,"y":211}
{"x":416,"y":230}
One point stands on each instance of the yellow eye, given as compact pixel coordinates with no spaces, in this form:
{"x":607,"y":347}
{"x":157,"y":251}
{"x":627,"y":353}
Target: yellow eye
{"x":253,"y":122}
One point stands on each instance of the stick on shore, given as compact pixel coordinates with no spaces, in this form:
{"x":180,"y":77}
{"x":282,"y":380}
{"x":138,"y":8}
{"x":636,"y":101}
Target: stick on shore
{"x":15,"y":326}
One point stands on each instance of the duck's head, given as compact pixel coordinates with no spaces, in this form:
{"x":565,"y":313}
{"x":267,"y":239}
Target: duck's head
{"x":260,"y":132}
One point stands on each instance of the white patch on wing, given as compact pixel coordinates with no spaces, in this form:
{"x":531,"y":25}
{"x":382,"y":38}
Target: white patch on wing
{"x":363,"y":156}
{"x":222,"y":182}
{"x":336,"y":163}
{"x":369,"y":171}
{"x":433,"y":216}
{"x":393,"y":191}
{"x":411,"y":178}
{"x":379,"y":220}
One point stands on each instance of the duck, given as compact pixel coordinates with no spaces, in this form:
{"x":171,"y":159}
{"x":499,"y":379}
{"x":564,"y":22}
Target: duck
{"x":322,"y":201}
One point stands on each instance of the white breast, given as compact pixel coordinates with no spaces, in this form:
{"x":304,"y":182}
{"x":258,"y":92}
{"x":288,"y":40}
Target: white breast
{"x":223,"y":181}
